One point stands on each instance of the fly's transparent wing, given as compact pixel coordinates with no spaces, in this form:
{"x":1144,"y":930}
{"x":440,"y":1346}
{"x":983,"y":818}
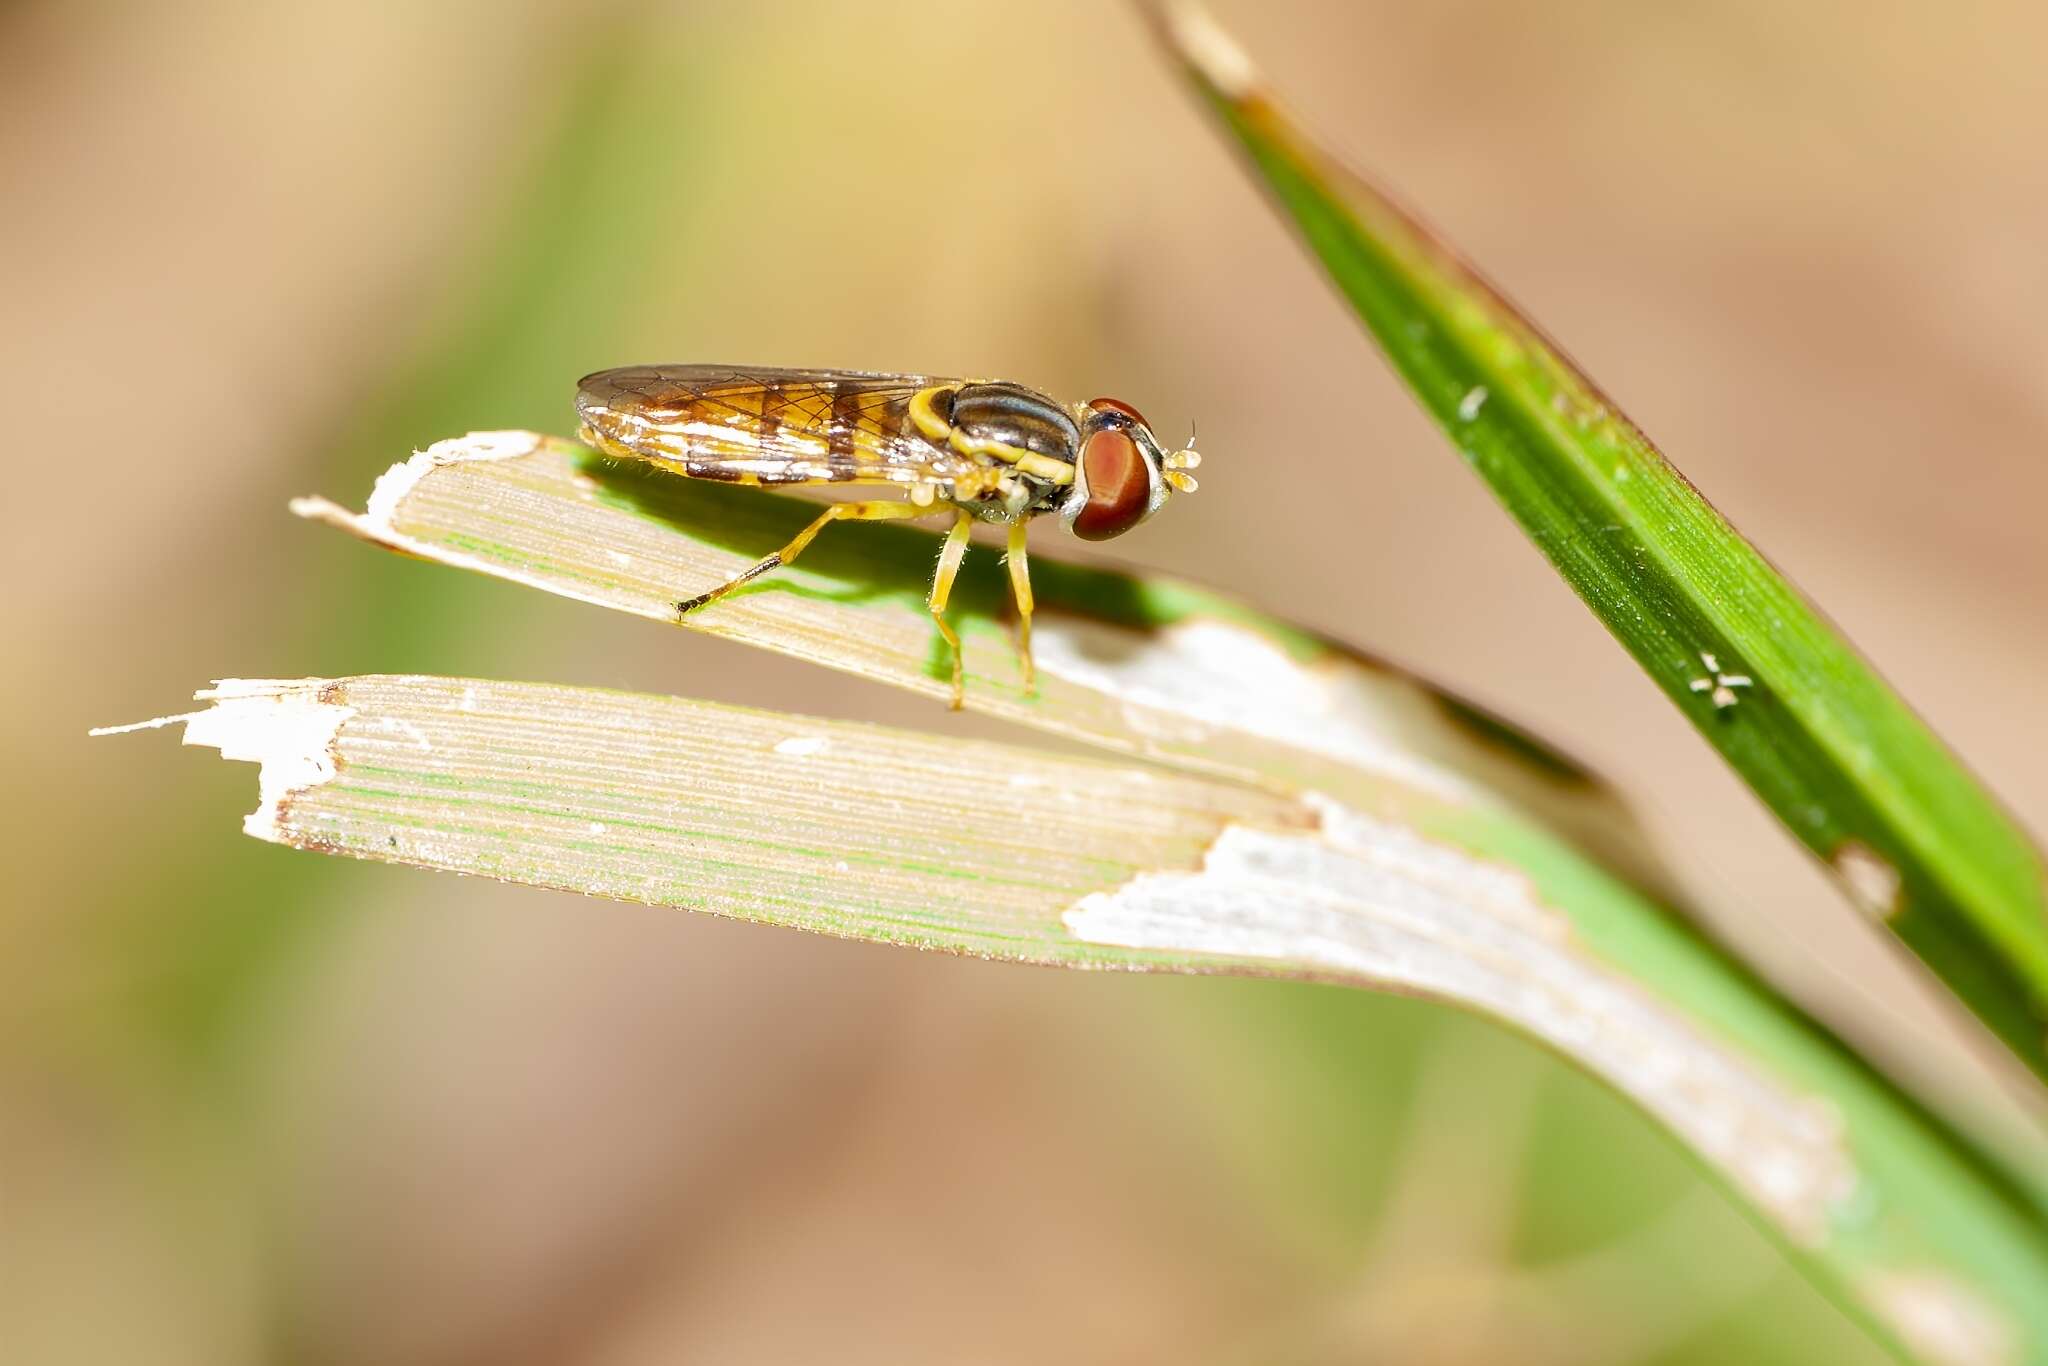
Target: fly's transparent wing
{"x":765,"y":426}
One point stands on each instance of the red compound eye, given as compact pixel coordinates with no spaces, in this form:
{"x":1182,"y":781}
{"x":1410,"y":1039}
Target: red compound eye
{"x":1119,"y":486}
{"x":1117,"y":405}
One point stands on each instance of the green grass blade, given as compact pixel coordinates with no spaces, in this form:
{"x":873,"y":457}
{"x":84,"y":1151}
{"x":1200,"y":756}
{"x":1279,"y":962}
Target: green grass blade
{"x":971,"y":847}
{"x":1827,"y":744}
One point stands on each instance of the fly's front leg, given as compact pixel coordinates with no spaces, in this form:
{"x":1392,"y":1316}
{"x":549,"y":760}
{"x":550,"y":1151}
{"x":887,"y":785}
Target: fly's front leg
{"x":878,"y":511}
{"x":1020,"y":589}
{"x":950,"y":556}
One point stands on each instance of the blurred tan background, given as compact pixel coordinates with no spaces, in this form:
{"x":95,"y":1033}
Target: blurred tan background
{"x":258,"y":1106}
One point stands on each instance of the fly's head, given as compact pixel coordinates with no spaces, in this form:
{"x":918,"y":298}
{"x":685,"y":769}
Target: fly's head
{"x":1124,"y":475}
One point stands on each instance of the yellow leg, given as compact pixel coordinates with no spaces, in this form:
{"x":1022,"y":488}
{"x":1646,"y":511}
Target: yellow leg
{"x":1020,"y":589}
{"x":950,"y":556}
{"x":879,"y":511}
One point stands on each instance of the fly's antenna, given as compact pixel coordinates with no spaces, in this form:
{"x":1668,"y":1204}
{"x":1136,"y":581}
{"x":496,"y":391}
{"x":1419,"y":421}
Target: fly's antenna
{"x":1179,"y":462}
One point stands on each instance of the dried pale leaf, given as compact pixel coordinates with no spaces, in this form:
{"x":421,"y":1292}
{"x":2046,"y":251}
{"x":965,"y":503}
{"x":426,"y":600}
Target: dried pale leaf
{"x":1010,"y":853}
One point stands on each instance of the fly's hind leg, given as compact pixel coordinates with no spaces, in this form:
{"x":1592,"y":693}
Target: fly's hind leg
{"x":1020,"y":590}
{"x":884,"y":510}
{"x":950,"y":556}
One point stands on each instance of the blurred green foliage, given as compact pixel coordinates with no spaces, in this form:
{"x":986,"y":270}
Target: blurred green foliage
{"x":569,"y":271}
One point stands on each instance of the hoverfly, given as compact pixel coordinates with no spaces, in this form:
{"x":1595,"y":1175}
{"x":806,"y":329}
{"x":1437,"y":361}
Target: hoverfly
{"x":985,"y":450}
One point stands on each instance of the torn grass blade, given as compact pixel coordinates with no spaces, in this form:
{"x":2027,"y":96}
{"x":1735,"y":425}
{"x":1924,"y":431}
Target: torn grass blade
{"x":1911,"y":835}
{"x":1141,"y":665}
{"x":857,"y":830}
